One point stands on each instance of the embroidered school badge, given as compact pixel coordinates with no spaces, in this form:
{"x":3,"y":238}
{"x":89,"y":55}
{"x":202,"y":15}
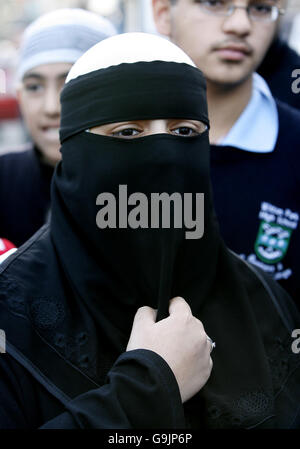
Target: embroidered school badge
{"x":272,"y":242}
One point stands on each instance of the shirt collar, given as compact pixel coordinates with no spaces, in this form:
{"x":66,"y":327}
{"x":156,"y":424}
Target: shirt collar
{"x":256,"y":129}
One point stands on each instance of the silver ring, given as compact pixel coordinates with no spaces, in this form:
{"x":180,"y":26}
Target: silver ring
{"x":213,"y":344}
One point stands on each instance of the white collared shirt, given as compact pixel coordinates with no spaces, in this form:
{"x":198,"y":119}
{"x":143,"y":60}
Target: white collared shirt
{"x":256,"y":129}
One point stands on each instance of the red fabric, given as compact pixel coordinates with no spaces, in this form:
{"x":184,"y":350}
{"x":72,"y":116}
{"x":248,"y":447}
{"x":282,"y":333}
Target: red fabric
{"x":9,"y":108}
{"x":5,"y":245}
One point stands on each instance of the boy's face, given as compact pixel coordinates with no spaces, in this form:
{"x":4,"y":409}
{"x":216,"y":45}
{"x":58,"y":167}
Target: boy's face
{"x":39,"y":99}
{"x":227,"y":49}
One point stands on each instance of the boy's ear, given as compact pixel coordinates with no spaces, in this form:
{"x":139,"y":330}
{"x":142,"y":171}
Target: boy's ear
{"x":162,"y":16}
{"x":18,"y":94}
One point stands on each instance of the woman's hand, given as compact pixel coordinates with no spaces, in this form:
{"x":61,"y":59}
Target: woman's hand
{"x":180,"y":339}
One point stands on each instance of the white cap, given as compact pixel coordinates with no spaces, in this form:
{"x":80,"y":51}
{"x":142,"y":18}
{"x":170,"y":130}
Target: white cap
{"x":62,"y":35}
{"x":128,"y":48}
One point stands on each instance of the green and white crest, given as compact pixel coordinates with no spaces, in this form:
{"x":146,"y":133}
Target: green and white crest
{"x":272,"y":242}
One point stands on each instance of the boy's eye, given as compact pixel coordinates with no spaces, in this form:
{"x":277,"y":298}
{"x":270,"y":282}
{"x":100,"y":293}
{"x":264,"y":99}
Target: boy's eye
{"x":33,"y":87}
{"x":126,"y":133}
{"x":213,"y":4}
{"x":261,"y":8}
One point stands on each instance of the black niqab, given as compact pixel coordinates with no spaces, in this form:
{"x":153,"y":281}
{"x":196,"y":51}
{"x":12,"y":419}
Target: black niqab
{"x":111,"y":272}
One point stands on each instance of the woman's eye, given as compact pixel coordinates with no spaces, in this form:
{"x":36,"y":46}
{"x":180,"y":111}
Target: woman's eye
{"x":184,"y":131}
{"x":126,"y":133}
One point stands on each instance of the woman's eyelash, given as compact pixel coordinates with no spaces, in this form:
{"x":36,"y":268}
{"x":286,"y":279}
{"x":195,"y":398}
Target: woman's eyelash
{"x":128,"y":131}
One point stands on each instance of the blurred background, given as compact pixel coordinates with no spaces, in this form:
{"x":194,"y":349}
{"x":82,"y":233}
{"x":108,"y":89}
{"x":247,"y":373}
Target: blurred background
{"x":127,"y":15}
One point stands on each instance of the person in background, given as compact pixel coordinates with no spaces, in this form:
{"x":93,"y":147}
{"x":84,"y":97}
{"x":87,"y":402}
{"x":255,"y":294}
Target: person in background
{"x":254,"y":138}
{"x":134,"y":133}
{"x":49,"y":47}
